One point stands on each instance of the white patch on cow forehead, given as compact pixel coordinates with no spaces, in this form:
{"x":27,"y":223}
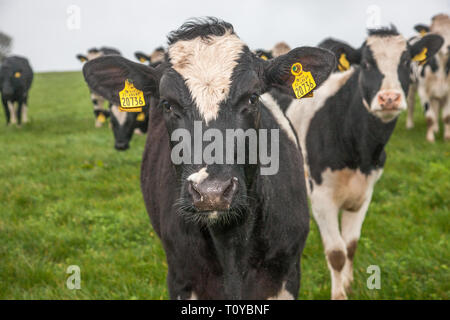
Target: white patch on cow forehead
{"x":387,"y":52}
{"x":206,"y":66}
{"x":198,"y":176}
{"x":119,"y":115}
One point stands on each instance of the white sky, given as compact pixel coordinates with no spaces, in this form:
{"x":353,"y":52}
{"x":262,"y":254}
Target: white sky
{"x":40,"y":28}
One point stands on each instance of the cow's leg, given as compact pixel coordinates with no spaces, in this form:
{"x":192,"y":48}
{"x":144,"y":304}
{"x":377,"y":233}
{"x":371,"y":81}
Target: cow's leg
{"x":25,"y":111}
{"x":325,"y":213}
{"x":351,"y":224}
{"x":12,"y":111}
{"x":7,"y":113}
{"x":446,"y":119}
{"x":432,"y":119}
{"x":19,"y":112}
{"x":411,"y":102}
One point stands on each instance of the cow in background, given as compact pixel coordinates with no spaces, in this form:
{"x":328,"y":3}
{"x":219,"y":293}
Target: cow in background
{"x":278,"y":49}
{"x":153,"y":59}
{"x":16,"y":77}
{"x":433,"y":81}
{"x":100,"y":113}
{"x":343,"y":132}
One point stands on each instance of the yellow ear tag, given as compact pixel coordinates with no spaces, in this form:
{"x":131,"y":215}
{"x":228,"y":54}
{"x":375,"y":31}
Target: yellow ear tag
{"x":140,"y":117}
{"x":17,"y":75}
{"x":264,"y":57}
{"x":422,"y":56}
{"x":101,"y":118}
{"x":343,"y":63}
{"x":304,"y":82}
{"x":142,"y":59}
{"x":422,"y":32}
{"x":83,"y":59}
{"x":131,"y":99}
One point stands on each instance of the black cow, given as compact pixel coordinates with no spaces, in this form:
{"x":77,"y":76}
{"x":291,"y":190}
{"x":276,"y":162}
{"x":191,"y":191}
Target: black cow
{"x":230,"y":231}
{"x":100,"y":113}
{"x":343,"y":132}
{"x":16,"y":77}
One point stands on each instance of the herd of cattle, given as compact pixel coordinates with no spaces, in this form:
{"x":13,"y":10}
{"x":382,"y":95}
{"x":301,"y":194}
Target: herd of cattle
{"x":228,"y":231}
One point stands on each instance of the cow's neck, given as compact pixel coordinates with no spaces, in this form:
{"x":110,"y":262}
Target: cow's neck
{"x":367,"y":134}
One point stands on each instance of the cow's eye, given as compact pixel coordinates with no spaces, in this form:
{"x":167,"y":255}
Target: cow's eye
{"x":166,"y":106}
{"x":254,"y":98}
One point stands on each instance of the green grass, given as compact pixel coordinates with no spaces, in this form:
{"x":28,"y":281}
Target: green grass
{"x":68,"y":198}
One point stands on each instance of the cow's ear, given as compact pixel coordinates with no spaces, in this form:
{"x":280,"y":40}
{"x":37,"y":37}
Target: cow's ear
{"x":107,"y":76}
{"x":280,"y":72}
{"x":422,"y":29}
{"x":426,"y":48}
{"x":82,"y":58}
{"x":142,"y":57}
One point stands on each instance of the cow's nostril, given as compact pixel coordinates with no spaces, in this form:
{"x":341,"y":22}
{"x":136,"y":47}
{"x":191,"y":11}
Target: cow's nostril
{"x":196,"y":196}
{"x":231,"y":188}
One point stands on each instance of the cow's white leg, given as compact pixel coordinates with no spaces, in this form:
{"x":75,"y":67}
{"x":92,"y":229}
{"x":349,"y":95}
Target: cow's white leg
{"x":12,"y":111}
{"x":351,"y":224}
{"x":446,"y":119}
{"x":138,"y":132}
{"x":411,"y":102}
{"x":25,"y":113}
{"x":325,"y":213}
{"x":432,"y":117}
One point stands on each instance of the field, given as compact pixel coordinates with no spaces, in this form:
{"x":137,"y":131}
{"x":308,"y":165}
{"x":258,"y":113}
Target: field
{"x":68,"y":198}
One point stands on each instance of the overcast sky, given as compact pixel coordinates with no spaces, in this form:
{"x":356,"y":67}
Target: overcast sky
{"x":51,"y":32}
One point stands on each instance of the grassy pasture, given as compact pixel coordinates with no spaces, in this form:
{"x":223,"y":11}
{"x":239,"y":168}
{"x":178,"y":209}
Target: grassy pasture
{"x":68,"y":198}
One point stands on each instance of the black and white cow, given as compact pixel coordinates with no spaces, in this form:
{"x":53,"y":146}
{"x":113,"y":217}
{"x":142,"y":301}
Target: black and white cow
{"x":433,"y":81}
{"x":125,"y":124}
{"x":100,"y":113}
{"x":343,"y":131}
{"x":16,"y":77}
{"x":153,"y":59}
{"x":229,"y":231}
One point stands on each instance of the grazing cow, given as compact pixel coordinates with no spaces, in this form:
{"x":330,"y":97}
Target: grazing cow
{"x":100,"y":113}
{"x":434,"y":80}
{"x":153,"y":59}
{"x":343,"y":132}
{"x":16,"y":77}
{"x":230,"y":231}
{"x":345,"y":54}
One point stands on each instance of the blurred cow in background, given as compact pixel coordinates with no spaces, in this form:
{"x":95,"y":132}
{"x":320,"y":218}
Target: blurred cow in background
{"x":153,"y":59}
{"x":279,"y":49}
{"x":433,"y":81}
{"x":100,"y":113}
{"x":16,"y":76}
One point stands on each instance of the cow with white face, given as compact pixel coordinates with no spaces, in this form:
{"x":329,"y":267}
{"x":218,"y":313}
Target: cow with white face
{"x":343,"y":131}
{"x":230,"y":229}
{"x":433,"y":80}
{"x":100,"y":113}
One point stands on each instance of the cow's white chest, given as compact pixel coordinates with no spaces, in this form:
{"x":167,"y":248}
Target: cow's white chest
{"x":346,"y":189}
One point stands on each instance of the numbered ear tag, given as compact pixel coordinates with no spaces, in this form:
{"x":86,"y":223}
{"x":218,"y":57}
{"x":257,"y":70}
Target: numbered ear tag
{"x":304,"y":82}
{"x":140,"y":117}
{"x":131,"y":99}
{"x":421,"y":57}
{"x":101,"y":118}
{"x":343,"y":65}
{"x":17,"y":75}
